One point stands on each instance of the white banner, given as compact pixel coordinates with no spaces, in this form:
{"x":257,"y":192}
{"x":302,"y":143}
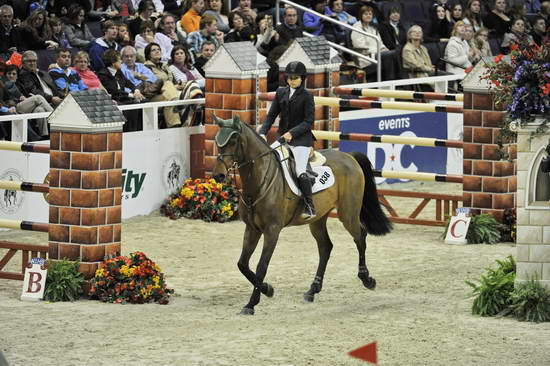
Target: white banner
{"x":155,"y":163}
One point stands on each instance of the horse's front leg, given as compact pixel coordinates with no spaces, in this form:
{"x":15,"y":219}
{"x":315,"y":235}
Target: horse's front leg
{"x":270,"y":241}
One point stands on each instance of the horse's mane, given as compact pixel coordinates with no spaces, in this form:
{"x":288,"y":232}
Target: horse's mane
{"x":266,"y":144}
{"x":256,"y":134}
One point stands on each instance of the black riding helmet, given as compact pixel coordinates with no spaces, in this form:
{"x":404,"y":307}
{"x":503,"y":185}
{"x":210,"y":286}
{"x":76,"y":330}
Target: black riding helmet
{"x":296,"y":68}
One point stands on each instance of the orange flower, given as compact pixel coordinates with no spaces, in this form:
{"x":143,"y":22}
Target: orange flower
{"x":545,"y":89}
{"x":498,"y":58}
{"x":514,"y":47}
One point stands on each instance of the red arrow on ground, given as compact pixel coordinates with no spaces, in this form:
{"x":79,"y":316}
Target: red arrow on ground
{"x":366,"y":353}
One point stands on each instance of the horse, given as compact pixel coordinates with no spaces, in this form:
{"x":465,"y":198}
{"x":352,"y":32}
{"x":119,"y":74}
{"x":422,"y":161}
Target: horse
{"x":267,"y":204}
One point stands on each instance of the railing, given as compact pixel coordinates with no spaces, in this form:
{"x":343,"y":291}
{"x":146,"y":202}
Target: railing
{"x":35,"y":251}
{"x":441,"y":83}
{"x":19,"y":122}
{"x":347,"y":26}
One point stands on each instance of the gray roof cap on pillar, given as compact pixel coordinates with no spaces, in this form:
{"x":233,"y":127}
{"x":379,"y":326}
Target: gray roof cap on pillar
{"x":236,"y":59}
{"x":87,"y":111}
{"x":314,"y":52}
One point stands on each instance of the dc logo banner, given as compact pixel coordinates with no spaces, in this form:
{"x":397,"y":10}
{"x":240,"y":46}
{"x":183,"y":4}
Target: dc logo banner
{"x":395,"y":156}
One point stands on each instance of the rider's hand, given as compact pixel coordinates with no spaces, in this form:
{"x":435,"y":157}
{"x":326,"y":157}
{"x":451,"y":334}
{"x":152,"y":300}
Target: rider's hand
{"x":287,"y":136}
{"x":264,"y":137}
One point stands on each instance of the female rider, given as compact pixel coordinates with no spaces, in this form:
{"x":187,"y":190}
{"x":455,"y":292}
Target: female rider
{"x":295,"y":106}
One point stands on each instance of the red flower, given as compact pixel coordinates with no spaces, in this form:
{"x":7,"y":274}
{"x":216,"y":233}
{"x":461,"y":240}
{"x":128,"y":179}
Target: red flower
{"x":514,"y":47}
{"x":545,"y":89}
{"x":498,"y":58}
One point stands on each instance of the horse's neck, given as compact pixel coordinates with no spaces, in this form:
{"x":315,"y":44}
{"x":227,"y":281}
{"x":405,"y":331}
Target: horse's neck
{"x":254,"y":173}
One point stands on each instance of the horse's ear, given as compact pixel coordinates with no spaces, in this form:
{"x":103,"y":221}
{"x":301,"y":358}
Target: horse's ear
{"x":236,"y":122}
{"x":218,"y":121}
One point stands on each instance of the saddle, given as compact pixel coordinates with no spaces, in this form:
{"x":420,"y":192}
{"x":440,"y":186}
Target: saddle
{"x":320,"y":174}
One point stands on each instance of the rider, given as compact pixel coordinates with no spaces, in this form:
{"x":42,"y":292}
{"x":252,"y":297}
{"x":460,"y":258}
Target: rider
{"x":294,"y":104}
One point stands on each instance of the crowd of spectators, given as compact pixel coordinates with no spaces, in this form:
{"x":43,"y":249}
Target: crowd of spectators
{"x":155,"y":50}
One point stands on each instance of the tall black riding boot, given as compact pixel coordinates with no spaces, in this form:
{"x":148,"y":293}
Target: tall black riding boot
{"x":305,"y":187}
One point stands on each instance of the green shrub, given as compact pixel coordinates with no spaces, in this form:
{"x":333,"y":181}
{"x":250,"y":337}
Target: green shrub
{"x":492,"y":294}
{"x":64,"y":282}
{"x":530,"y":302}
{"x":484,"y":229}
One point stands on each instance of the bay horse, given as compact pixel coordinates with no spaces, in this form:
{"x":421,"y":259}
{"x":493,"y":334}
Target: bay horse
{"x":267,"y":204}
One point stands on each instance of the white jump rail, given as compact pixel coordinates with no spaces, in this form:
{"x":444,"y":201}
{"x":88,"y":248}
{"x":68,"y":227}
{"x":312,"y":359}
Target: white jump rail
{"x":19,"y":122}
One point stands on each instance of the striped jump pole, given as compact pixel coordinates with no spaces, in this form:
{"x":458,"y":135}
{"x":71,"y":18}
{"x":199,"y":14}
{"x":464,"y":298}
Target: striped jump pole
{"x":429,"y":177}
{"x":24,"y":225}
{"x":401,"y":94}
{"x":24,"y":146}
{"x":11,"y":185}
{"x":418,"y":141}
{"x":368,"y":104}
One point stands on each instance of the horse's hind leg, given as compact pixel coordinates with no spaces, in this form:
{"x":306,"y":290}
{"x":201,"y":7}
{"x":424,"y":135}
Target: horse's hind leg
{"x":324,"y":245}
{"x":250,"y":242}
{"x":359,"y":234}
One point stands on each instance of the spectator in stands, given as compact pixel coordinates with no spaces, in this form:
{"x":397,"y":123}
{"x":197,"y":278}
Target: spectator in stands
{"x":124,"y":8}
{"x":146,"y":9}
{"x":457,"y":51}
{"x":473,"y":55}
{"x":531,"y":6}
{"x":123,"y":36}
{"x":9,"y":35}
{"x":240,"y":31}
{"x":472,"y":15}
{"x":61,"y":7}
{"x":416,"y":60}
{"x":249,"y":15}
{"x":190,"y":21}
{"x":480,"y":44}
{"x":82,"y":68}
{"x":456,"y":13}
{"x":289,"y":29}
{"x":539,"y":29}
{"x":440,"y":27}
{"x":174,"y":7}
{"x":65,"y":79}
{"x":32,"y":81}
{"x":58,"y":34}
{"x":217,"y":9}
{"x":445,"y":4}
{"x":170,"y":91}
{"x":21,"y":104}
{"x":146,"y":35}
{"x":208,"y":48}
{"x":182,"y":68}
{"x":355,"y":9}
{"x":337,"y":7}
{"x":121,"y":89}
{"x":393,"y":32}
{"x":361,"y":43}
{"x":208,"y":32}
{"x":266,"y":37}
{"x":140,"y":75}
{"x":498,"y":20}
{"x":517,"y":34}
{"x":35,"y":32}
{"x":545,"y":11}
{"x":168,"y":37}
{"x":167,"y":27}
{"x":100,"y":45}
{"x":77,"y":31}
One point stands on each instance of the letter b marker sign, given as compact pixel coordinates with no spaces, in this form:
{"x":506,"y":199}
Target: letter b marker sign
{"x":35,"y":280}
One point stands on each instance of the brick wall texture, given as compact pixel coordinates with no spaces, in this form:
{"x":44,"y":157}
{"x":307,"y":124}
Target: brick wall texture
{"x":85,"y":198}
{"x":489,"y":182}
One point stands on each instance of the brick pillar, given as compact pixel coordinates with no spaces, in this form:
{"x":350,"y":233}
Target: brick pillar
{"x":85,"y":197}
{"x":335,"y":111}
{"x":234,"y":95}
{"x":533,"y":217}
{"x":489,"y":183}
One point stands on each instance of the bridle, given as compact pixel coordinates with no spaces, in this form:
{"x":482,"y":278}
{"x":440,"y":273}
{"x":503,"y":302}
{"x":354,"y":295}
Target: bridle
{"x":248,"y":201}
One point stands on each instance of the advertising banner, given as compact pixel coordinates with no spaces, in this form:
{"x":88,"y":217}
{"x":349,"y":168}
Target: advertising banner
{"x":397,"y":157}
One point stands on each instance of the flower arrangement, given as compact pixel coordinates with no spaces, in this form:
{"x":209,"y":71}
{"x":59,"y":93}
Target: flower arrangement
{"x":203,"y":199}
{"x":135,"y":279}
{"x":521,"y":82}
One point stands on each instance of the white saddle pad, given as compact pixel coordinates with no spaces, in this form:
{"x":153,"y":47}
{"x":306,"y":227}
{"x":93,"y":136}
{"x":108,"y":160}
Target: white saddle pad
{"x":324,"y":179}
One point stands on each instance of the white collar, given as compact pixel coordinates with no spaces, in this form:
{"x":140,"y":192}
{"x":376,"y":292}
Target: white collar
{"x":111,"y":70}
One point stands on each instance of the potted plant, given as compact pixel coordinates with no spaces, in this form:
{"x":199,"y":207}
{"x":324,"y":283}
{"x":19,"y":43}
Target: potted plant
{"x":521,"y":83}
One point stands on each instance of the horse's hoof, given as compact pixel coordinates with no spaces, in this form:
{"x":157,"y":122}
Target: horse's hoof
{"x":247,"y":311}
{"x":309,"y":297}
{"x":269,"y":291}
{"x":370,"y":283}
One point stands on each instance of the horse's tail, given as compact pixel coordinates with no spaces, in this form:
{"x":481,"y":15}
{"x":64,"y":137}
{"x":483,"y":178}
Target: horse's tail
{"x":372,"y":217}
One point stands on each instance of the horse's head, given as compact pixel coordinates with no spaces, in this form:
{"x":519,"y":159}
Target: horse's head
{"x":230,"y":146}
